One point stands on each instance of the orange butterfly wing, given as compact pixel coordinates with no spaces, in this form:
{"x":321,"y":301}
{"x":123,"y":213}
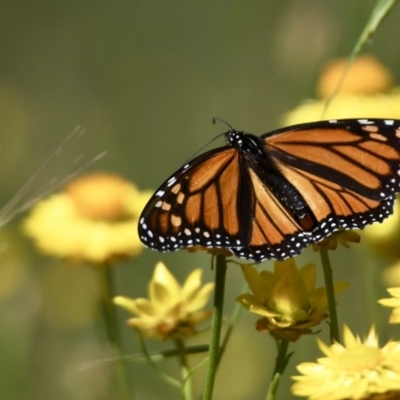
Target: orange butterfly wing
{"x":194,"y":207}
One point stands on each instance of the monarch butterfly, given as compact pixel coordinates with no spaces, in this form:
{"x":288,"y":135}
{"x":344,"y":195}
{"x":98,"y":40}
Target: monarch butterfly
{"x":270,"y":196}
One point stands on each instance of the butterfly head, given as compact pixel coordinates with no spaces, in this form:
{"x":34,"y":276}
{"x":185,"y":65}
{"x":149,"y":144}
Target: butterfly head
{"x":245,"y":142}
{"x":235,"y":138}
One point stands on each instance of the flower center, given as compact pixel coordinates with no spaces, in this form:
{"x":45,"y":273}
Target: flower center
{"x":359,"y":358}
{"x":99,"y":196}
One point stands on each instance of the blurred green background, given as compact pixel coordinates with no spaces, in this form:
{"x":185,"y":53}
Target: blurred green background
{"x":145,"y":78}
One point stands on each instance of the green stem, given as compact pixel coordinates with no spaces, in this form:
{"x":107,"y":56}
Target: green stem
{"x":187,"y":387}
{"x":232,"y":324}
{"x":379,"y":13}
{"x":330,"y":293}
{"x":171,"y":381}
{"x":280,"y":365}
{"x":111,"y":323}
{"x":213,"y":358}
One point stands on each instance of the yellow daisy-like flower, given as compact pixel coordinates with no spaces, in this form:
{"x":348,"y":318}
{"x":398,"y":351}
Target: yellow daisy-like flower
{"x":384,"y":238}
{"x":356,"y":370}
{"x":393,"y":302}
{"x":365,"y":92}
{"x":391,"y":274}
{"x":340,"y":237}
{"x":286,"y":298}
{"x":94,"y":219}
{"x":365,"y":75}
{"x":172,"y":310}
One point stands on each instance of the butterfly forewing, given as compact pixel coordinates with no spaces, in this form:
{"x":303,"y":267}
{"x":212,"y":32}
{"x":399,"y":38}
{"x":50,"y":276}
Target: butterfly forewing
{"x":360,"y":155}
{"x":193,"y":207}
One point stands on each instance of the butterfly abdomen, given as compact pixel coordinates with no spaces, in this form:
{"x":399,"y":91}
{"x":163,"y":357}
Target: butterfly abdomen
{"x":256,"y":158}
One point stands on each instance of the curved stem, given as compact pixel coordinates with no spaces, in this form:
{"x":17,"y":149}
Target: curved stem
{"x":165,"y":377}
{"x":213,"y":358}
{"x":111,"y":322}
{"x":234,"y":318}
{"x":187,"y":389}
{"x":330,"y":293}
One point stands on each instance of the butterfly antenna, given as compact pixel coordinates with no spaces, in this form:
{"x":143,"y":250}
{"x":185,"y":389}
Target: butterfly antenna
{"x":215,"y":119}
{"x":203,"y":147}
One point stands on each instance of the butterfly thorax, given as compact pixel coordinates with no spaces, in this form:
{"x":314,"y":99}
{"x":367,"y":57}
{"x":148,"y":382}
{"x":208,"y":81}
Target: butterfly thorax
{"x":253,"y":151}
{"x":245,"y":142}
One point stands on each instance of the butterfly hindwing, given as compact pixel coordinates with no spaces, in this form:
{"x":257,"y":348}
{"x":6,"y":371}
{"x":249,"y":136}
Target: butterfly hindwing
{"x":348,"y":173}
{"x":275,"y":232}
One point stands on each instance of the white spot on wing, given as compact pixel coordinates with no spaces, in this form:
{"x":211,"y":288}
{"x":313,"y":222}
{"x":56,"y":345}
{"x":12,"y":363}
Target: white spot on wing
{"x":171,"y":181}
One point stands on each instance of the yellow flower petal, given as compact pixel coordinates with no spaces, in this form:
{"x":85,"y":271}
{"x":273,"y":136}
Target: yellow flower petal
{"x":142,"y":307}
{"x":260,"y":310}
{"x":194,"y":294}
{"x":393,"y":302}
{"x":395,"y":317}
{"x":164,"y":289}
{"x":201,"y":298}
{"x":248,"y":300}
{"x":192,"y":284}
{"x":258,"y":285}
{"x":347,"y":106}
{"x":172,"y":310}
{"x":309,"y":276}
{"x":395,"y":291}
{"x":289,"y":292}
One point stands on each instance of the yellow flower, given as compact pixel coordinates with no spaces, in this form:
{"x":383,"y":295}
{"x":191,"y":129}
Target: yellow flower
{"x":365,"y":75}
{"x":340,"y":237}
{"x":384,"y":238}
{"x":391,"y":274}
{"x":356,"y":370}
{"x":393,"y":302}
{"x":365,"y":92}
{"x":172,"y":310}
{"x":286,"y":299}
{"x":94,"y":219}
